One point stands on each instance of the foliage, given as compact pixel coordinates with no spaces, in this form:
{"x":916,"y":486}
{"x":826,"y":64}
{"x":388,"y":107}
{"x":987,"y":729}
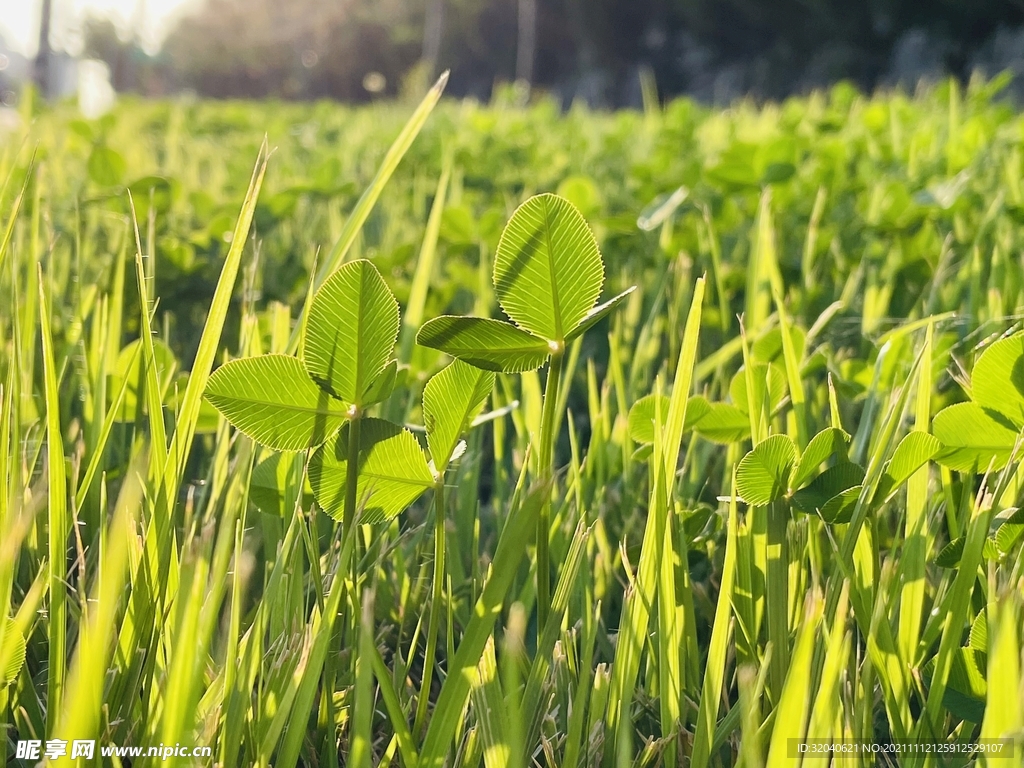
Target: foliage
{"x":243,"y":508}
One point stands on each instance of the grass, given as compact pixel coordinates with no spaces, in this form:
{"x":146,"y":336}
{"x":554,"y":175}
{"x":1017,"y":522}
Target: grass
{"x":771,"y":493}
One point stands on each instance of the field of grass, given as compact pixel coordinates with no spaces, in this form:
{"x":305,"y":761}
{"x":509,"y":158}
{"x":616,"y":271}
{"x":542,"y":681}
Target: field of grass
{"x":678,"y":436}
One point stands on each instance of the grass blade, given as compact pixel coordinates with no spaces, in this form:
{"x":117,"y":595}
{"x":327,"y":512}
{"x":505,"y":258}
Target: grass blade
{"x":391,"y":160}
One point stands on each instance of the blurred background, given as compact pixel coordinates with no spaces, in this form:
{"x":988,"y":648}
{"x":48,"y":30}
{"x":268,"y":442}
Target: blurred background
{"x":599,"y":51}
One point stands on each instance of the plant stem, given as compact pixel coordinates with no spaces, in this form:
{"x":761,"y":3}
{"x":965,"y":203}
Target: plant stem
{"x":352,"y":477}
{"x":435,"y":609}
{"x":777,"y":589}
{"x":548,"y":432}
{"x":329,"y":752}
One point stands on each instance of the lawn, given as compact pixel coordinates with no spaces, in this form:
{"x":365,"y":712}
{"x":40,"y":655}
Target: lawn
{"x":457,"y":434}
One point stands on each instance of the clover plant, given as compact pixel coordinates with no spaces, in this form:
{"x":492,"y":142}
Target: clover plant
{"x":980,"y":435}
{"x":548,"y":274}
{"x":318,"y":401}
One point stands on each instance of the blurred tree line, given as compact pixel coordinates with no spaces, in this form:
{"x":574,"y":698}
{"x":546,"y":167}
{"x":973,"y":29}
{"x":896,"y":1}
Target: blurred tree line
{"x":590,"y":49}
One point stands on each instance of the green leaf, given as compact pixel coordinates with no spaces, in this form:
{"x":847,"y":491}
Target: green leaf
{"x":724,"y":423}
{"x":351,"y":331}
{"x":106,"y":166}
{"x":451,"y":401}
{"x":1010,"y":531}
{"x":547,"y":269}
{"x":763,"y":474}
{"x":272,"y":400}
{"x":13,"y":653}
{"x":949,"y":556}
{"x":952,"y":553}
{"x":641,"y":416}
{"x":978,"y":638}
{"x":997,"y":382}
{"x":839,"y":509}
{"x":826,"y":486}
{"x":485,"y":343}
{"x":827,"y":443}
{"x":393,"y":471}
{"x":382,"y":387}
{"x":272,"y":486}
{"x":973,"y":438}
{"x":964,"y":695}
{"x":769,"y":384}
{"x":599,"y":313}
{"x":914,"y":451}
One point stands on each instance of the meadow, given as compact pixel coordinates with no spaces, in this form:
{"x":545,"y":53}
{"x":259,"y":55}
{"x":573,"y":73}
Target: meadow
{"x":494,"y":435}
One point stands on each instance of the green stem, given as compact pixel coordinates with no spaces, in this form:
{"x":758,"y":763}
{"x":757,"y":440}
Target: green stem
{"x":352,"y":478}
{"x":548,"y":432}
{"x":777,"y":587}
{"x":436,"y":597}
{"x":327,"y":720}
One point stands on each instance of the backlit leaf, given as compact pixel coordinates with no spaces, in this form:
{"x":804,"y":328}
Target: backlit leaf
{"x":828,"y":485}
{"x":599,"y":313}
{"x":724,"y":423}
{"x":548,"y":271}
{"x":997,"y":382}
{"x":488,"y":344}
{"x":1010,"y":531}
{"x":973,"y":439}
{"x":913,"y":452}
{"x":827,"y":443}
{"x":964,"y":695}
{"x":451,"y":401}
{"x":272,"y":400}
{"x":13,"y":653}
{"x":106,"y":166}
{"x":839,"y":509}
{"x":351,"y":331}
{"x":641,"y":416}
{"x":129,"y":365}
{"x":380,"y":388}
{"x":769,"y":383}
{"x":272,"y":486}
{"x":392,"y":469}
{"x":763,"y":474}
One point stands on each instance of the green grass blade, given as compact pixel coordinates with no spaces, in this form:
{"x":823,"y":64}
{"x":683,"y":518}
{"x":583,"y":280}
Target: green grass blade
{"x":633,"y":624}
{"x":714,"y":670}
{"x":791,"y":714}
{"x":424,"y":268}
{"x":827,"y":704}
{"x":1004,"y":713}
{"x":532,"y":699}
{"x":957,"y":615}
{"x":361,"y":733}
{"x":188,"y":412}
{"x":58,"y":523}
{"x":915,"y":535}
{"x":396,"y":715}
{"x":490,"y":707}
{"x":369,"y":197}
{"x":455,"y":690}
{"x":82,"y":704}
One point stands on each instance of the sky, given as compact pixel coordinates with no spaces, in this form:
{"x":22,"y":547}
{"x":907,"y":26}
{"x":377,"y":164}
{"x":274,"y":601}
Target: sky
{"x":19,"y":20}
